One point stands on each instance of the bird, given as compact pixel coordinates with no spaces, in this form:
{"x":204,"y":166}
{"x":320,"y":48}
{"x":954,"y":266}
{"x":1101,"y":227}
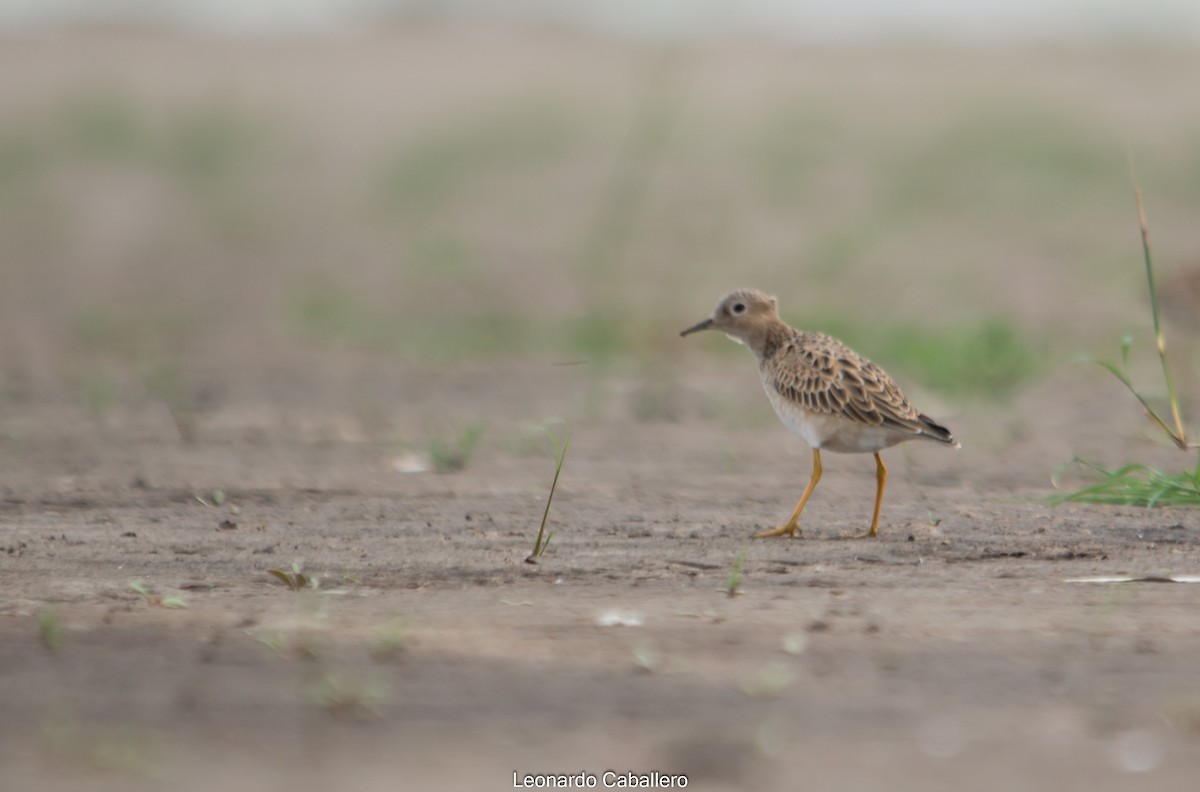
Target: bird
{"x":823,"y":391}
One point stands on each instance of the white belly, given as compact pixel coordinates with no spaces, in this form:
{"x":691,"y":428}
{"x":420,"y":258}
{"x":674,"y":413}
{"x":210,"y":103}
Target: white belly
{"x":832,"y":432}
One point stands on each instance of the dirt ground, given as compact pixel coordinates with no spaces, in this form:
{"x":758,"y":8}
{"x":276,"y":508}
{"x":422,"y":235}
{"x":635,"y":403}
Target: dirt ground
{"x":951,"y":653}
{"x":954,"y":652}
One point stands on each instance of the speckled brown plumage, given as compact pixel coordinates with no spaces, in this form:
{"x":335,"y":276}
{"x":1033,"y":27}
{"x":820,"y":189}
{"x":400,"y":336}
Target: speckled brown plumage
{"x":824,"y":376}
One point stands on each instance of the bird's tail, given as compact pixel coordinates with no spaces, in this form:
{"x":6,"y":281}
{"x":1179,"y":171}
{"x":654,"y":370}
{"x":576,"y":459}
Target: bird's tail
{"x":935,"y":431}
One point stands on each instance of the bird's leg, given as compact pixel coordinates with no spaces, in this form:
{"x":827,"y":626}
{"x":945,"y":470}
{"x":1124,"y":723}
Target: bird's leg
{"x":880,"y":481}
{"x":792,"y":527}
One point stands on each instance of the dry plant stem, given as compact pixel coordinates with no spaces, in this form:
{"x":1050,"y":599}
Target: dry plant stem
{"x":1179,"y":436}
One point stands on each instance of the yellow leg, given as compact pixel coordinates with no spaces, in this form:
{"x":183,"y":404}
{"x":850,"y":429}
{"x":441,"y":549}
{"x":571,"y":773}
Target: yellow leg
{"x":880,"y":481}
{"x":792,"y":526}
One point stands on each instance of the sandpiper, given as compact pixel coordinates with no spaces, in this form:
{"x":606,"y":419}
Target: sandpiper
{"x":823,"y":391}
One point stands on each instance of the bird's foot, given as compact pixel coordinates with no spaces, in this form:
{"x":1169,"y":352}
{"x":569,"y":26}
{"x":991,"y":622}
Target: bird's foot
{"x":871,"y":534}
{"x":788,"y":529}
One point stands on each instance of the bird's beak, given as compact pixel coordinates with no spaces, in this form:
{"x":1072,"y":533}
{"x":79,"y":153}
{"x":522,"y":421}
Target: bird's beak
{"x":696,"y":328}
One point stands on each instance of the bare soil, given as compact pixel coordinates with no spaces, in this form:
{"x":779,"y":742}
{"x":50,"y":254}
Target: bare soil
{"x":952,"y":652}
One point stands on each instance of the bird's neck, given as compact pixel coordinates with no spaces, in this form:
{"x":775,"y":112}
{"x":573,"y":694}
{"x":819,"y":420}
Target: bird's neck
{"x":768,"y":338}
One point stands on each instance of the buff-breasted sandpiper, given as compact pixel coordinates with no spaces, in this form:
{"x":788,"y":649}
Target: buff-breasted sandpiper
{"x":822,"y":390}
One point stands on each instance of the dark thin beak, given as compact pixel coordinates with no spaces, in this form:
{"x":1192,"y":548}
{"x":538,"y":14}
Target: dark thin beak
{"x":707,"y":323}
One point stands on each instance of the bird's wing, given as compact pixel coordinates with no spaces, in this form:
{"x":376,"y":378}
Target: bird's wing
{"x":827,"y":377}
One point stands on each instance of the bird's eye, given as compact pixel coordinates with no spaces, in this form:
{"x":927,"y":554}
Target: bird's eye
{"x":739,"y":308}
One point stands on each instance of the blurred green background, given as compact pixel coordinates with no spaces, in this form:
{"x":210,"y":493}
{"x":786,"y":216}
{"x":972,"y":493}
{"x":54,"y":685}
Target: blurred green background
{"x":185,"y":214}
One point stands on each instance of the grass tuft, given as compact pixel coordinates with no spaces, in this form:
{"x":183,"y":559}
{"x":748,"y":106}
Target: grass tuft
{"x":733,"y":585}
{"x":296,"y":579}
{"x":155,"y":600}
{"x":49,"y":628}
{"x":451,"y":455}
{"x":1135,"y":484}
{"x":388,"y":642}
{"x":345,"y":695}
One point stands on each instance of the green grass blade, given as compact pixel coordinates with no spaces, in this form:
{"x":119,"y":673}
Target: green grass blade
{"x":560,"y":456}
{"x":284,"y":576}
{"x":1136,"y":485}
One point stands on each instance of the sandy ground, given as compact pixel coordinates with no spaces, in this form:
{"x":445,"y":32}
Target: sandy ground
{"x":953,"y":652}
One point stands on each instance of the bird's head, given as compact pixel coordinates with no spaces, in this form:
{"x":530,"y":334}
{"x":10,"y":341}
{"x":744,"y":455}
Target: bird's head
{"x":743,"y":315}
